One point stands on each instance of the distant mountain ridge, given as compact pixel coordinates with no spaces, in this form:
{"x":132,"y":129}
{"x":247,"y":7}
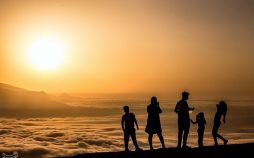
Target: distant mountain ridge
{"x":18,"y":102}
{"x":14,"y":98}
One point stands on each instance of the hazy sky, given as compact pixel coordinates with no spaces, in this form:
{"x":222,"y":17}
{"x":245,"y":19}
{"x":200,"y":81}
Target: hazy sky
{"x":132,"y":46}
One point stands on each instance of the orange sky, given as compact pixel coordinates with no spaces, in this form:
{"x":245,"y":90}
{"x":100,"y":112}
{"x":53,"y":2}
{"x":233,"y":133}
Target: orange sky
{"x":132,"y":46}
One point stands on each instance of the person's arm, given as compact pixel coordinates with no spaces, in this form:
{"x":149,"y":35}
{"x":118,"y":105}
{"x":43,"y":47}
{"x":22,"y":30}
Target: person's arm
{"x":177,"y":108}
{"x":225,"y":113}
{"x":224,"y":117}
{"x":159,"y":108}
{"x":193,"y":121}
{"x":188,"y":108}
{"x":122,"y":123}
{"x":136,"y":122}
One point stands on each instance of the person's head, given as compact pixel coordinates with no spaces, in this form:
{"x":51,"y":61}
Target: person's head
{"x":154,"y":100}
{"x":201,"y":115}
{"x":222,"y":106}
{"x":126,"y":109}
{"x":185,"y":95}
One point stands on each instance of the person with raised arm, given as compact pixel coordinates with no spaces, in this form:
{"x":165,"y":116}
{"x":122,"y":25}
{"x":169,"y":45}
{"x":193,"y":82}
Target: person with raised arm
{"x":221,"y":112}
{"x":200,"y":120}
{"x":182,"y":109}
{"x":153,"y":125}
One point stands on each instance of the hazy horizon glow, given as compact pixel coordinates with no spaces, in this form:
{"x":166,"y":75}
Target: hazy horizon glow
{"x":205,"y":47}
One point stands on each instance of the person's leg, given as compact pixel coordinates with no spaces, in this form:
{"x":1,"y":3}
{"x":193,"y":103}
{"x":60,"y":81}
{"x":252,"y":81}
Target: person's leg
{"x":200,"y":137}
{"x":150,"y":140}
{"x":215,"y":133}
{"x":186,"y":133}
{"x":133,"y":137}
{"x":222,"y":138}
{"x":161,"y":139}
{"x":126,"y":140}
{"x":180,"y":134}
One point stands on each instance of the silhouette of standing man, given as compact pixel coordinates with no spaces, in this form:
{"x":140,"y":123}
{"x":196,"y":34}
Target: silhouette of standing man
{"x":221,"y":111}
{"x":182,"y":109}
{"x":128,"y":120}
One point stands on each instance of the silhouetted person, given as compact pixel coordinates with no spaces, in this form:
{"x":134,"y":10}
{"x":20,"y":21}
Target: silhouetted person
{"x":128,"y":120}
{"x":182,"y":109}
{"x":221,"y":111}
{"x":153,"y":125}
{"x":200,"y":120}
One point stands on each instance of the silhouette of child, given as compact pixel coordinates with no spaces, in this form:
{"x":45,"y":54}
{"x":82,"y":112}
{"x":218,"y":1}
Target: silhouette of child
{"x":128,"y":120}
{"x":200,"y":120}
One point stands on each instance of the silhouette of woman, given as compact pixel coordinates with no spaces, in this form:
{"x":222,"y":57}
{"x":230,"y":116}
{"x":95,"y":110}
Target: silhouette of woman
{"x":221,"y":111}
{"x":153,"y":125}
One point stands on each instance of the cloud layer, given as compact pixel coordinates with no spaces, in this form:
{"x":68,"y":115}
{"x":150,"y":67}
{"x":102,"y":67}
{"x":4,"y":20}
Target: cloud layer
{"x":101,"y":131}
{"x":47,"y":137}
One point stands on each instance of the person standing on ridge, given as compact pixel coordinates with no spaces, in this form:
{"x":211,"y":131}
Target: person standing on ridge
{"x":182,"y":109}
{"x":127,"y":123}
{"x":153,"y":125}
{"x":221,"y":111}
{"x":200,"y":120}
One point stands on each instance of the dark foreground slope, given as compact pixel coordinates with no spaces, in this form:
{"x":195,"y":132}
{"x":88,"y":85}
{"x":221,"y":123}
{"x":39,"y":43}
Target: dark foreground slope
{"x":229,"y":151}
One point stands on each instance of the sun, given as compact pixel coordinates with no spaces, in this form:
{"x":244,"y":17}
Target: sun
{"x":46,"y":53}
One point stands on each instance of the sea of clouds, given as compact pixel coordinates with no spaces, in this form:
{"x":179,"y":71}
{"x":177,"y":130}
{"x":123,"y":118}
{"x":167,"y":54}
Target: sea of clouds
{"x":49,"y":137}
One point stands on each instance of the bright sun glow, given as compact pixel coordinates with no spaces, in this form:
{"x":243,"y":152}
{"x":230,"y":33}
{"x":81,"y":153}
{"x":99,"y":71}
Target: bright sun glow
{"x":46,"y":54}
